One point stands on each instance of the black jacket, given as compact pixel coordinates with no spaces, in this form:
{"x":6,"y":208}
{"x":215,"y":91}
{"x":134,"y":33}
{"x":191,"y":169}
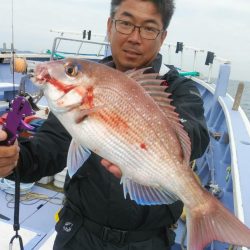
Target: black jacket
{"x":95,"y":191}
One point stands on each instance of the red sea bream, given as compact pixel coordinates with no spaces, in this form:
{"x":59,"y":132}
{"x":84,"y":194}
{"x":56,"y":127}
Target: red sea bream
{"x":127,"y":119}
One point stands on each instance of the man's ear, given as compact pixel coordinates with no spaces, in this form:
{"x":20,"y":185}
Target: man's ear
{"x":109,"y":27}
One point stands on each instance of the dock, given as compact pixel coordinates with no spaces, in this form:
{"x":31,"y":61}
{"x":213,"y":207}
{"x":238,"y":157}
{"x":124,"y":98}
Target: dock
{"x":43,"y":56}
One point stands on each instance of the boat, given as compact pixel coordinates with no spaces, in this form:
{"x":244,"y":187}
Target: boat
{"x":223,"y":169}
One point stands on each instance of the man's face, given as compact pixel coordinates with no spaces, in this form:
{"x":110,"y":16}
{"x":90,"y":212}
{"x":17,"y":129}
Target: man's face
{"x":133,"y":51}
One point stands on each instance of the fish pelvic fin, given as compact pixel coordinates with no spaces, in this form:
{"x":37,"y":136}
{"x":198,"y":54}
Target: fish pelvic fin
{"x":212,"y":221}
{"x":77,"y":155}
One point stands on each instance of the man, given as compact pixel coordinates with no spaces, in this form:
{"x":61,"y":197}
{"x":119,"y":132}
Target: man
{"x":95,"y":211}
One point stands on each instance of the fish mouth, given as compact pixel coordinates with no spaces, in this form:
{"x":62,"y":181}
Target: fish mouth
{"x":41,"y":75}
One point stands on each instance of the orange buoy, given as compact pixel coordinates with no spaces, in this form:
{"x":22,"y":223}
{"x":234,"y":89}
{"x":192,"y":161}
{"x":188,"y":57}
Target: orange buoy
{"x":20,"y":65}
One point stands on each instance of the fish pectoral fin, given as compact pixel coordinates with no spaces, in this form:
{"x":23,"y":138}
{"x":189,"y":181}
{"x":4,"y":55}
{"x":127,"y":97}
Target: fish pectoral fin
{"x":83,"y":113}
{"x":77,"y":155}
{"x":146,"y":195}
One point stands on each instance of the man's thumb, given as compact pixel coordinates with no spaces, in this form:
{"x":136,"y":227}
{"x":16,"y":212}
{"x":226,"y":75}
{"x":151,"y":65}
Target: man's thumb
{"x":3,"y":135}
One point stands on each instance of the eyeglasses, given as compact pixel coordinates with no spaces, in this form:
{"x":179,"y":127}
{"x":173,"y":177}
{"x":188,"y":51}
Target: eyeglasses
{"x":125,"y":27}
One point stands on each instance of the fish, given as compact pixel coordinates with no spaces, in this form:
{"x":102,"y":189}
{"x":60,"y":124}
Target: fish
{"x":128,"y":119}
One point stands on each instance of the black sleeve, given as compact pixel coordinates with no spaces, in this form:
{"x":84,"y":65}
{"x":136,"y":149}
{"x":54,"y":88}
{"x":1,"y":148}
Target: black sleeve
{"x":189,"y":105}
{"x":45,"y":154}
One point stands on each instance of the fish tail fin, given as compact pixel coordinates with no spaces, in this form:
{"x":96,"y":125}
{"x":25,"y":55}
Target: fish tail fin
{"x":212,"y":221}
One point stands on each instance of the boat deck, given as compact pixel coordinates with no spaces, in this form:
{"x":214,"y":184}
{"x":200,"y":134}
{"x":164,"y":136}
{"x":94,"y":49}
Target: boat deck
{"x":36,"y":217}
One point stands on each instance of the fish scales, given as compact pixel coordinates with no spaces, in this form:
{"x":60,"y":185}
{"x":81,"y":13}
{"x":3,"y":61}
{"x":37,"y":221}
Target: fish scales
{"x":127,"y":130}
{"x":110,"y":142}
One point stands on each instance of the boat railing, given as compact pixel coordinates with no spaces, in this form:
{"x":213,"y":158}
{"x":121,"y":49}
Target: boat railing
{"x":103,"y":48}
{"x":208,"y":57}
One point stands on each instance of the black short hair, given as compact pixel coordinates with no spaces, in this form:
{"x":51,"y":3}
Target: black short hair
{"x":165,"y":8}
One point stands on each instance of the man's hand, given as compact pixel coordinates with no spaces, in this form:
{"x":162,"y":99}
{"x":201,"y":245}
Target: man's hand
{"x":115,"y":170}
{"x":8,"y":156}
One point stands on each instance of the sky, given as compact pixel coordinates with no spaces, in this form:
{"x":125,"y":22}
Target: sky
{"x":220,"y":26}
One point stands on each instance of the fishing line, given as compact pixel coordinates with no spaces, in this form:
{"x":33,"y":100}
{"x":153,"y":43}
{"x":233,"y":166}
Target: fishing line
{"x":16,"y":224}
{"x":32,"y":198}
{"x":12,"y":47}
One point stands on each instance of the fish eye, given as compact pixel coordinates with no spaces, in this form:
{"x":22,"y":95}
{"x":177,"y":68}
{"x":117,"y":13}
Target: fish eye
{"x":71,"y":70}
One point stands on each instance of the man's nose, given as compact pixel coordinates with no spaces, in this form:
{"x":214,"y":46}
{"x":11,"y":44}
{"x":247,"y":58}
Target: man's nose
{"x":135,"y":35}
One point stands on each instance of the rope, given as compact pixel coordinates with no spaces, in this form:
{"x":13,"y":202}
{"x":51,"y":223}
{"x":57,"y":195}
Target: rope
{"x":32,"y":198}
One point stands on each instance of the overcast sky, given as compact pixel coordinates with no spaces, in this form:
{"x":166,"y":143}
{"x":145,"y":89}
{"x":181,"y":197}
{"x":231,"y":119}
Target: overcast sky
{"x":221,"y":26}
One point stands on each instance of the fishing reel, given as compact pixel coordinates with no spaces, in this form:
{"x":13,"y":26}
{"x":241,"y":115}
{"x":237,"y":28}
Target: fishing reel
{"x":14,"y":123}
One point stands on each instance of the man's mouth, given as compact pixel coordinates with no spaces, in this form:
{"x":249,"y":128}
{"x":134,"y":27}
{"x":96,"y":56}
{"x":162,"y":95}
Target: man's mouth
{"x":132,"y":52}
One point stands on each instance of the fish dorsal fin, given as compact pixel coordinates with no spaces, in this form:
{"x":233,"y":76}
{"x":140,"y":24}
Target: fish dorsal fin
{"x":154,"y":88}
{"x":77,"y":155}
{"x":146,"y":195}
{"x":174,"y":121}
{"x":137,"y":74}
{"x":185,"y":142}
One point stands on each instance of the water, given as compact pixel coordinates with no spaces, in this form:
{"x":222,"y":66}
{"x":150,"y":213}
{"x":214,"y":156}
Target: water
{"x":245,"y":101}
